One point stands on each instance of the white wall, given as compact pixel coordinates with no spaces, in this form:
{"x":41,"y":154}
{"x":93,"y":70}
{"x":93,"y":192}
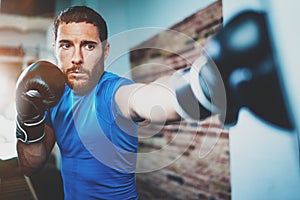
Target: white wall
{"x":264,"y":159}
{"x":30,"y":34}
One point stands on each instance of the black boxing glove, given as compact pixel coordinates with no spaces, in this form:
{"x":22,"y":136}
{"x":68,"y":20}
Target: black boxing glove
{"x":40,"y":86}
{"x":242,"y":52}
{"x":237,"y":69}
{"x":200,"y":91}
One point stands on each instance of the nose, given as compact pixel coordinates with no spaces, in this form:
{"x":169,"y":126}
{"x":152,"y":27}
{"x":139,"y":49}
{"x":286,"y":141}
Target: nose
{"x":77,"y":57}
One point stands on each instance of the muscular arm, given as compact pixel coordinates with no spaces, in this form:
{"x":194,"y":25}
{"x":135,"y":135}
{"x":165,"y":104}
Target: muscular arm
{"x":153,"y":101}
{"x":32,"y":157}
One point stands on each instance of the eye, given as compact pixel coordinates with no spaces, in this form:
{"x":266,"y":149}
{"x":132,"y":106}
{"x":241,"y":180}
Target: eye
{"x":89,"y":46}
{"x":65,"y":45}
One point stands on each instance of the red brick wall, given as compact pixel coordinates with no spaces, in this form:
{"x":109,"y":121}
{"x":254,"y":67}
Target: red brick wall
{"x":182,"y":160}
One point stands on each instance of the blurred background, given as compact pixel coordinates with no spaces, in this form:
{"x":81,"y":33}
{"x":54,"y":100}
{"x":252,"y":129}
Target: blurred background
{"x":149,"y":39}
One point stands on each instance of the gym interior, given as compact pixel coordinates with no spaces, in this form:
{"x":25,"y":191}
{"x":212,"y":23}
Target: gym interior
{"x":252,"y":158}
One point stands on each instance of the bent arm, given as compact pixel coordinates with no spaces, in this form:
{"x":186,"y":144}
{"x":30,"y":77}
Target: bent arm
{"x":33,"y":157}
{"x":153,"y":101}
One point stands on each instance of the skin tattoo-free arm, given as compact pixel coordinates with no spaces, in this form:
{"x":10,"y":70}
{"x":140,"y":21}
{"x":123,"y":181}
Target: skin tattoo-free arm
{"x":152,"y":102}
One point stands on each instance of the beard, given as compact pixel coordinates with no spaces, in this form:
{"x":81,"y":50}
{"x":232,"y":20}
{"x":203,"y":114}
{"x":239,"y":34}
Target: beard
{"x":82,"y":81}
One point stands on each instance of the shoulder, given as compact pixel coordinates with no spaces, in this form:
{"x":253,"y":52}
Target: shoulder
{"x":112,"y":77}
{"x":105,"y":94}
{"x":112,"y":82}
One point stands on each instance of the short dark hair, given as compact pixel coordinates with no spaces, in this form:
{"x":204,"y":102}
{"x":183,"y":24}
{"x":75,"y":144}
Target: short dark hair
{"x":79,"y":14}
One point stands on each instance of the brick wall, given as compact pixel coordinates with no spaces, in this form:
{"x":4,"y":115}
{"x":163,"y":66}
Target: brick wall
{"x":186,"y":159}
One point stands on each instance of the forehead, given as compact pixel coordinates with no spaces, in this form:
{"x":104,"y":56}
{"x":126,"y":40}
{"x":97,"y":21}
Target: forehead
{"x":81,"y":30}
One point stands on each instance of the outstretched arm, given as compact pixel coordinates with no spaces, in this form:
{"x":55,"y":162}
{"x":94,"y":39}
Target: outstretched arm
{"x":153,"y":101}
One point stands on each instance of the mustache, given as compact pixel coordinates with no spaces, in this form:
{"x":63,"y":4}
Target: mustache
{"x":76,"y":68}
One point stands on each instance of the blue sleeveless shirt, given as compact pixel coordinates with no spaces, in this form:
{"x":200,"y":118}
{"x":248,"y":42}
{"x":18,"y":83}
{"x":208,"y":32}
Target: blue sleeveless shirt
{"x":98,"y":145}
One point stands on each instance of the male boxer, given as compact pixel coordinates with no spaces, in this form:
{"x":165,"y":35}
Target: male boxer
{"x":91,"y":117}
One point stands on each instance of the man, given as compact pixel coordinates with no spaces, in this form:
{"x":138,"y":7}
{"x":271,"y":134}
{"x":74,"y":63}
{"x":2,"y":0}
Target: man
{"x":95,"y":114}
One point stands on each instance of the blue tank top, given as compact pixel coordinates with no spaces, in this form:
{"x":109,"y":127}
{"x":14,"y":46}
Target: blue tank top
{"x":98,"y":145}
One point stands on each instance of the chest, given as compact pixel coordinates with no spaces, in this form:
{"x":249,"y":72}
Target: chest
{"x":76,"y":123}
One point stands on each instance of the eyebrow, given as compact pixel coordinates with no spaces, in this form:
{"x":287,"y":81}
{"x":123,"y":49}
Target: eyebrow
{"x":64,"y":41}
{"x":82,"y":42}
{"x":88,"y":42}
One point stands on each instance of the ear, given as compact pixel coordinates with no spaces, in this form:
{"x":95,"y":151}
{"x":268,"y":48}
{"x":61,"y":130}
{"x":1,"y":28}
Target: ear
{"x":106,"y":50}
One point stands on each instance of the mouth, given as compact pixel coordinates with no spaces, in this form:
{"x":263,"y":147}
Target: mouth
{"x":78,"y":75}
